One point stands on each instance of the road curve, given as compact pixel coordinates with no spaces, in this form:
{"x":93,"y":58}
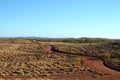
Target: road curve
{"x":98,"y":66}
{"x":92,"y":62}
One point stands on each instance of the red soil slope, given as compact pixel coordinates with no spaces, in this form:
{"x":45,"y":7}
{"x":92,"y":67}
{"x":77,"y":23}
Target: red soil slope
{"x":95,"y":64}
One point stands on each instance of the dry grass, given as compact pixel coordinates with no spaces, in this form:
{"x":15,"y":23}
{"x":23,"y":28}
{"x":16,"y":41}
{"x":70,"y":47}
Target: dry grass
{"x":29,"y":60}
{"x":23,"y":58}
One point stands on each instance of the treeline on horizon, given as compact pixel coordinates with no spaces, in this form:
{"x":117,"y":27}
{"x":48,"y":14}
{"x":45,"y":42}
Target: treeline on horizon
{"x":76,"y":40}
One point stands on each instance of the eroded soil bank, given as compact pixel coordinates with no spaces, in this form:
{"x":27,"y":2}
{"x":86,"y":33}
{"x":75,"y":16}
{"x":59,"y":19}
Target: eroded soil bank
{"x":95,"y":64}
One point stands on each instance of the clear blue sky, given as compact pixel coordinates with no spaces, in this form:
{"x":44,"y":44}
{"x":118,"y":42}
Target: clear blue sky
{"x":60,"y":18}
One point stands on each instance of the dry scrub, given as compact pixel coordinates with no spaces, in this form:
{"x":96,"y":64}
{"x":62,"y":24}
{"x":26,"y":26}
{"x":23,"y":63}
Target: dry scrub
{"x":30,"y":60}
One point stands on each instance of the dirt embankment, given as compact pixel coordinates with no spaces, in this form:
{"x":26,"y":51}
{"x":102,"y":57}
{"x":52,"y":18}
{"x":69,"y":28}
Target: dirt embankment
{"x":92,"y":62}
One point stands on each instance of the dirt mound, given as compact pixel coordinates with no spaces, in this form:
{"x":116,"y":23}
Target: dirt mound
{"x":47,"y":48}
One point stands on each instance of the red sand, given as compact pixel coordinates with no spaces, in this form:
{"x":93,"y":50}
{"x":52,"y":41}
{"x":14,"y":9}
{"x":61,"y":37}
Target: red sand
{"x":95,"y":64}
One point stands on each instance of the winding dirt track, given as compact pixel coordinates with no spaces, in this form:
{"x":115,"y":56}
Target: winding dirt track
{"x":93,"y":63}
{"x":98,"y":66}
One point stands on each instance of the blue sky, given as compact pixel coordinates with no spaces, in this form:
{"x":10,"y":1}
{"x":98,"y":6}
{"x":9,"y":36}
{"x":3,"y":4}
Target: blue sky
{"x":60,"y":18}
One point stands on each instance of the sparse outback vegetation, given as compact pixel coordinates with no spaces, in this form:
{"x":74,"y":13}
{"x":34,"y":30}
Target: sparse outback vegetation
{"x":30,"y":58}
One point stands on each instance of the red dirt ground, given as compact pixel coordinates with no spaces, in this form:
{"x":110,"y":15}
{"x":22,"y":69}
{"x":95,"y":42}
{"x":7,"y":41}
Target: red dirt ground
{"x":92,"y":62}
{"x":47,"y":48}
{"x":95,"y":64}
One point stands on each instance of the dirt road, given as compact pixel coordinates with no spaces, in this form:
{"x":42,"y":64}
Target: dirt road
{"x":95,"y":64}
